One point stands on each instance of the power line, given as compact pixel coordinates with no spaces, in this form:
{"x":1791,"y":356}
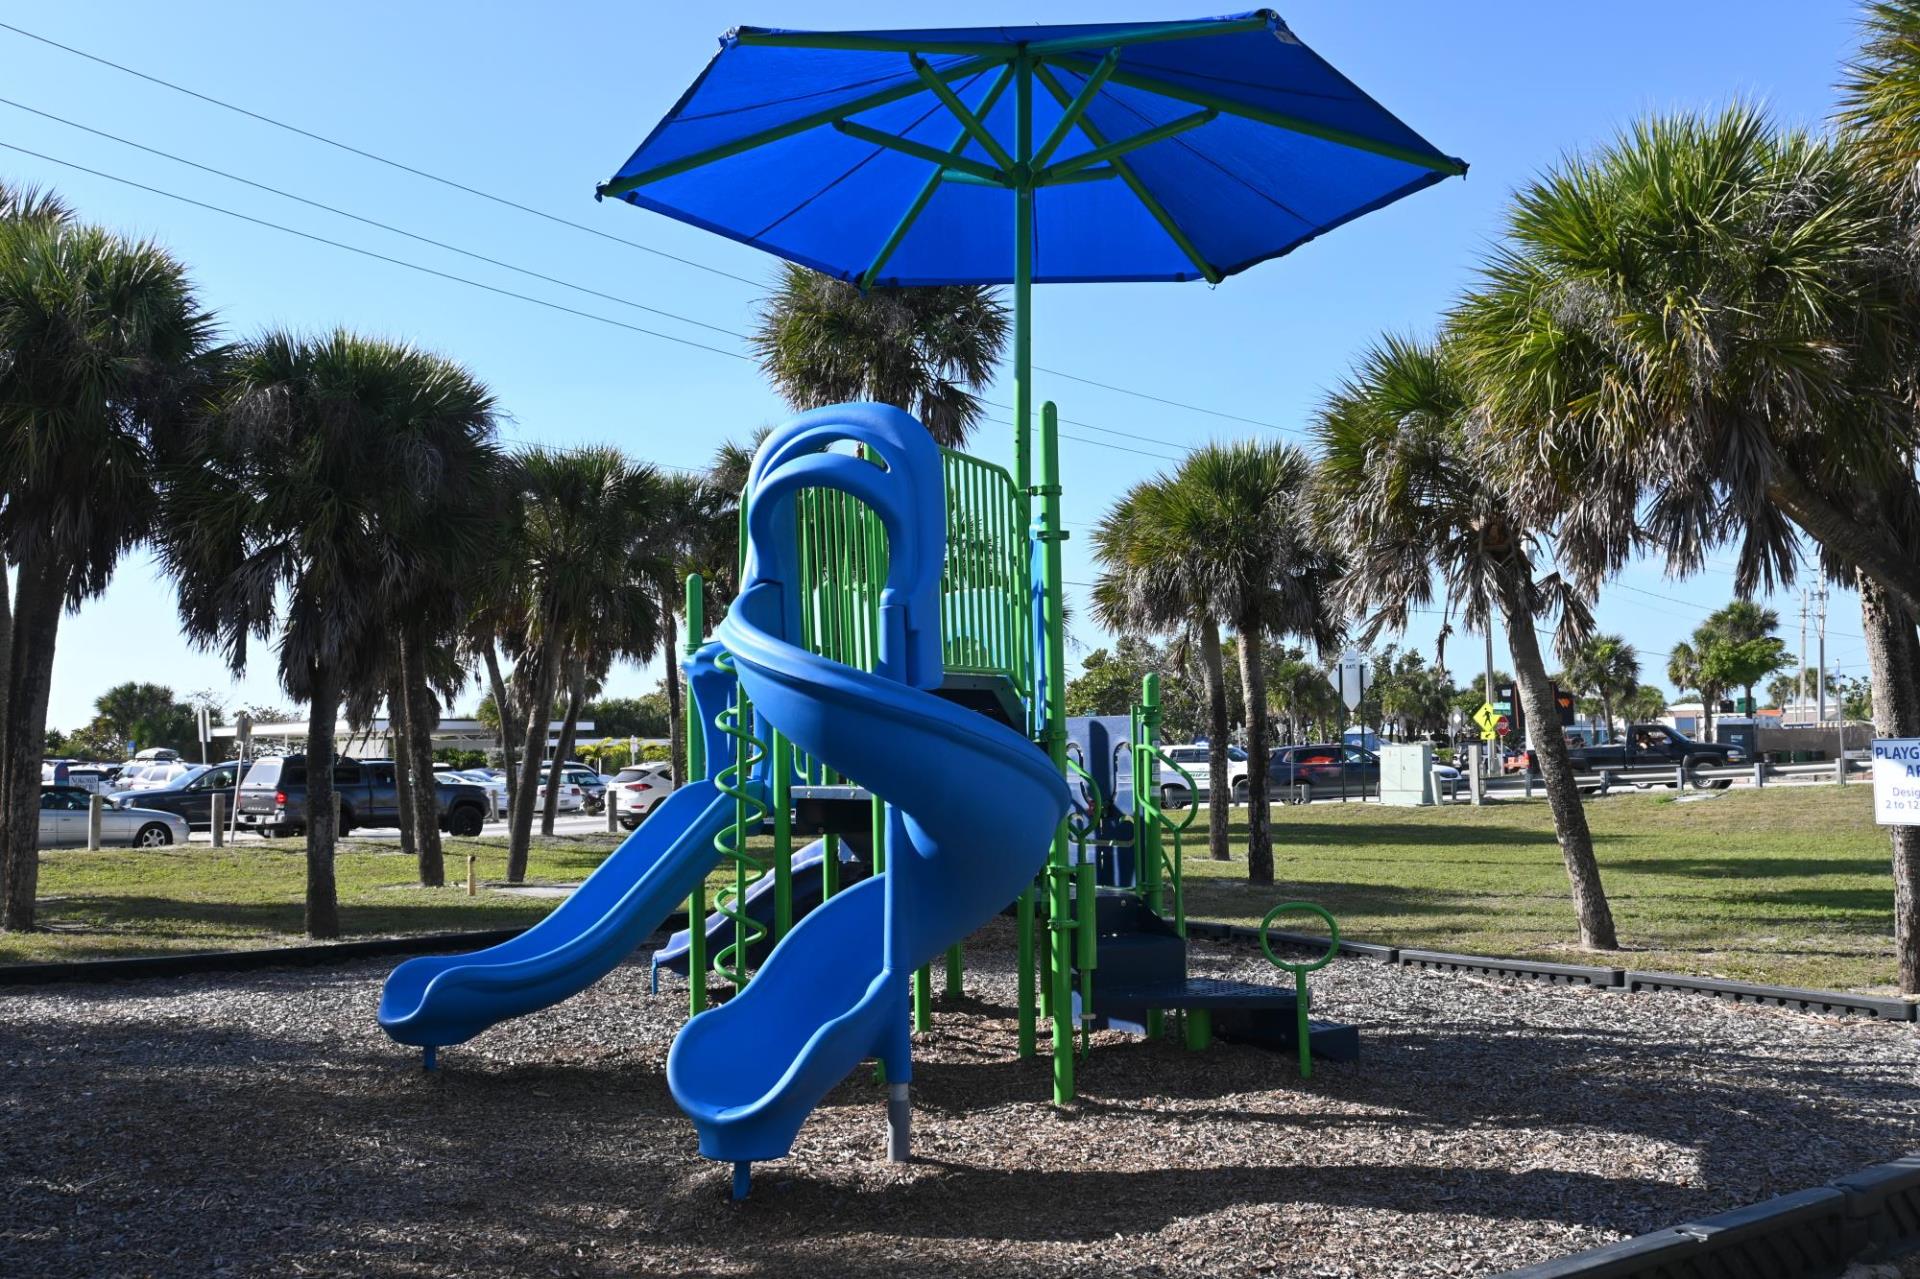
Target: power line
{"x":372,"y":222}
{"x":457,"y":279}
{"x":510,"y":203}
{"x":379,"y":159}
{"x":382,"y":257}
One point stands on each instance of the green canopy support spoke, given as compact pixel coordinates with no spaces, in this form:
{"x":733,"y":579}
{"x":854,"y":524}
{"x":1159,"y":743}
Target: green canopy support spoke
{"x":931,"y":185}
{"x":1099,"y":174}
{"x":1147,"y":199}
{"x":1078,"y":107}
{"x":919,"y":150}
{"x":1278,"y":119}
{"x":1126,"y":145}
{"x":972,"y":123}
{"x":968,"y":179}
{"x":812,"y":120}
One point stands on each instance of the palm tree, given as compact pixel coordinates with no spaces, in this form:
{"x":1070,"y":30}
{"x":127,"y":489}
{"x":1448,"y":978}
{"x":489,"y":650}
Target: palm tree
{"x":1148,"y":585}
{"x":1702,"y":322}
{"x":326,"y":485}
{"x":1231,"y":520}
{"x":584,"y":581}
{"x":1688,"y":673}
{"x":1743,"y":650}
{"x":1404,"y":483}
{"x":926,"y":350}
{"x":103,"y":349}
{"x":1607,"y":667}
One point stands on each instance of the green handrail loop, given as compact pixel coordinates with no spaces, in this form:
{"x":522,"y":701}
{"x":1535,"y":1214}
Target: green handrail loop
{"x":1303,"y":1025}
{"x":1173,"y":864}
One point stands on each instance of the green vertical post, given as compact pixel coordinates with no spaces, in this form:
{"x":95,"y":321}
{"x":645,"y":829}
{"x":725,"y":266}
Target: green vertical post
{"x":696,"y":615}
{"x":923,"y":998}
{"x":1023,"y":926}
{"x":954,"y":964}
{"x":697,"y":958}
{"x":1060,"y":921}
{"x":1149,"y":836}
{"x":782,"y":752}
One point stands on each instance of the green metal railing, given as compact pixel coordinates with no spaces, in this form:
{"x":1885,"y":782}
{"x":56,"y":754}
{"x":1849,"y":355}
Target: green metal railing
{"x":985,"y":624}
{"x":736,"y":721}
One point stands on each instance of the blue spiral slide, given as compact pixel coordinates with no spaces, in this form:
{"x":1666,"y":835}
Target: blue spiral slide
{"x":971,"y":809}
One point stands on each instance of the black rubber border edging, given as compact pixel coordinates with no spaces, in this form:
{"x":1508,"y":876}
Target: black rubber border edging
{"x":246,"y":961}
{"x":1618,"y":980}
{"x":1870,"y":1215}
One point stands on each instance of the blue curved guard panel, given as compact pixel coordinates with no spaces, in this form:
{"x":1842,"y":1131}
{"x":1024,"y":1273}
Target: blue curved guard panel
{"x":833,"y":992}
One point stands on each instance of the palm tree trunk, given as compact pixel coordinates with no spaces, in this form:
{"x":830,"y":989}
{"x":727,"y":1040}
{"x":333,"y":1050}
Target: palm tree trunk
{"x":23,"y":736}
{"x":1253,"y":678}
{"x":1893,"y":660}
{"x":1220,"y":794}
{"x":571,"y":716}
{"x":509,"y":721}
{"x":323,"y":902}
{"x":423,"y":809}
{"x":676,"y":714}
{"x":539,"y":699}
{"x":400,"y":731}
{"x":1563,"y":797}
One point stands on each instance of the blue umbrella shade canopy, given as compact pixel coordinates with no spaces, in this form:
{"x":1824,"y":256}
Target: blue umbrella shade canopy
{"x":1163,"y":151}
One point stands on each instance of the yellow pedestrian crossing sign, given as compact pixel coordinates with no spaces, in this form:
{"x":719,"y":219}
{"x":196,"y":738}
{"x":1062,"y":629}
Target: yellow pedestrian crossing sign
{"x":1488,"y":719}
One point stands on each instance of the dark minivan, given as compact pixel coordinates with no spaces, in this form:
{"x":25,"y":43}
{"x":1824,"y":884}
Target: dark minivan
{"x":273,"y":797}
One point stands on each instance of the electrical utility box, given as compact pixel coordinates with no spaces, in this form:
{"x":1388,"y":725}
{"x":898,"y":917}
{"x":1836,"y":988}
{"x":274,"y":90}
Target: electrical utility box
{"x":1406,"y":775}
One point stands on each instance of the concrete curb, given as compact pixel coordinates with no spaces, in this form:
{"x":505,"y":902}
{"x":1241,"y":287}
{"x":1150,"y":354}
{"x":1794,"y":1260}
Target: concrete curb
{"x":1870,"y":1215}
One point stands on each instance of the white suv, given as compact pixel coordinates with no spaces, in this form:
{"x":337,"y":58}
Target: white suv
{"x":640,"y":787}
{"x":1192,"y":756}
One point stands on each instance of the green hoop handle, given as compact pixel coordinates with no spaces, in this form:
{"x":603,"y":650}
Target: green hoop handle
{"x":1300,"y":970}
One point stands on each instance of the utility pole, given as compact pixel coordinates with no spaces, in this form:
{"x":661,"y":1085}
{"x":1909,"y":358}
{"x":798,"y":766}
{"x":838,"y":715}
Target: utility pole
{"x":1820,"y":674}
{"x":1800,"y":696}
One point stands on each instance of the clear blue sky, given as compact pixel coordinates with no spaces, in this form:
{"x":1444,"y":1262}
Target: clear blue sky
{"x":539,"y":102}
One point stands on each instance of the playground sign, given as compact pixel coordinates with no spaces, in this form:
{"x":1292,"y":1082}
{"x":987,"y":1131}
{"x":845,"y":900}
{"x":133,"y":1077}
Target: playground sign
{"x":1896,"y":781}
{"x":1351,"y":677}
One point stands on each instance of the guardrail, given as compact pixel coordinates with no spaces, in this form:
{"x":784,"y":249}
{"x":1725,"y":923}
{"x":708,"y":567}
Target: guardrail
{"x":1760,"y":773}
{"x":1457,"y":788}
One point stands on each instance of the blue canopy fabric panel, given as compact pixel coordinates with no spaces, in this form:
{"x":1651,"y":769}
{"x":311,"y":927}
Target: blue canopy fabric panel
{"x":764,"y":149}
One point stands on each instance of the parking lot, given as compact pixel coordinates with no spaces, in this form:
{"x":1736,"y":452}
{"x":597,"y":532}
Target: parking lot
{"x":569,"y":824}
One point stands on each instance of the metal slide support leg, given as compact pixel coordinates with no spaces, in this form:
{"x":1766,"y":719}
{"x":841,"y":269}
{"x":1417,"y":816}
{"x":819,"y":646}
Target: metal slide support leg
{"x":1023,"y":927}
{"x":742,"y":1178}
{"x":899,"y":1123}
{"x":429,"y":1058}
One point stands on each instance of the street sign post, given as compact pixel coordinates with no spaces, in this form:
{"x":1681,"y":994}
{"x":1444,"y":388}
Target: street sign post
{"x":1350,"y":677}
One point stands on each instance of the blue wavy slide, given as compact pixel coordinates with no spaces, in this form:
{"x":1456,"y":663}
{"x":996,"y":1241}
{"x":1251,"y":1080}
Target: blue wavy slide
{"x":834,"y":990}
{"x":438,"y":1000}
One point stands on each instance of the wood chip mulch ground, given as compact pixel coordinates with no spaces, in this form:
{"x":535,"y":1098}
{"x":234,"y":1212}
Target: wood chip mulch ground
{"x":262,"y":1125}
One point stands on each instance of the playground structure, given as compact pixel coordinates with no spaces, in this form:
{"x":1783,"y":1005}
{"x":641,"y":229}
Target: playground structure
{"x":891,"y":677}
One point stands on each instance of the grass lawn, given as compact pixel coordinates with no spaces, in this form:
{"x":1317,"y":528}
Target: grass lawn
{"x":1788,"y":885}
{"x":119,"y":902}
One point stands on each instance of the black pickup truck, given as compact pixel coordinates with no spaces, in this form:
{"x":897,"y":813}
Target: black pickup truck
{"x":1655,"y":746}
{"x":273,"y":797}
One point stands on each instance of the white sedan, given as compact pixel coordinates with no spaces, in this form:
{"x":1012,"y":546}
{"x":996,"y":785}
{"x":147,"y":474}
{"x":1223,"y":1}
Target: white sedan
{"x":64,"y":815}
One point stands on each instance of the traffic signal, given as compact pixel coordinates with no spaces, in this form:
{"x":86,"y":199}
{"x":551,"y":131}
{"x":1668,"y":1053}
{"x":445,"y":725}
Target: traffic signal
{"x":1563,"y":702}
{"x":1507,"y":702}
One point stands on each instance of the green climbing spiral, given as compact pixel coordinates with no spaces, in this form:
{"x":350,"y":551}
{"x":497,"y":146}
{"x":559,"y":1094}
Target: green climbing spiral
{"x":736,"y":721}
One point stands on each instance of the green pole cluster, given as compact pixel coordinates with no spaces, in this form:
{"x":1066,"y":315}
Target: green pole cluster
{"x":696,"y":606}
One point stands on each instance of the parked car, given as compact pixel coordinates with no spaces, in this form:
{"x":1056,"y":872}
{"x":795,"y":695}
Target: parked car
{"x":495,"y":787}
{"x":1328,"y":768}
{"x":570,"y":798}
{"x":273,"y":797}
{"x":157,"y":755}
{"x":191,"y":798}
{"x":156,"y":775}
{"x":64,"y":814}
{"x":593,"y":787}
{"x":1193,"y":756}
{"x":88,"y":777}
{"x":1655,"y":746}
{"x":641,"y":787}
